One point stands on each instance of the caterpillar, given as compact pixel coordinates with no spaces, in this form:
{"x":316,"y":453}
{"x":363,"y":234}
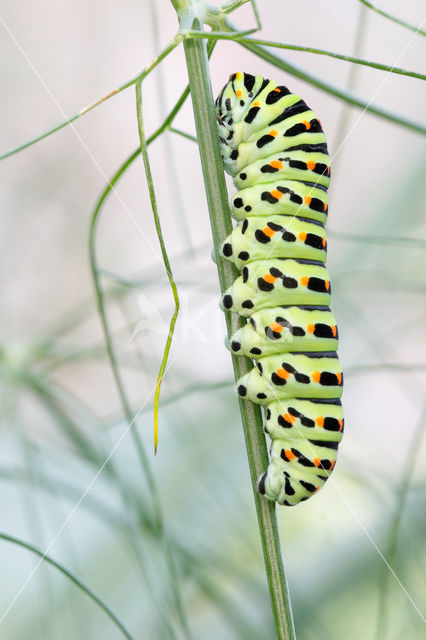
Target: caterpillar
{"x":274,"y":147}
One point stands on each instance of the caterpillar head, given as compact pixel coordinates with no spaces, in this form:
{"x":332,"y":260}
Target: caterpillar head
{"x":235,"y":99}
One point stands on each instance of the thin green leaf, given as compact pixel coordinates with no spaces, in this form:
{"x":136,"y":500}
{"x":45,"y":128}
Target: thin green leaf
{"x":398,"y":367}
{"x":402,"y":23}
{"x":156,"y":503}
{"x":45,"y":558}
{"x":194,"y":561}
{"x":148,"y":174}
{"x":166,"y":261}
{"x":342,"y":127}
{"x":188,"y":136}
{"x":168,"y":49}
{"x":300,"y":73}
{"x":391,"y":547}
{"x":239,"y":37}
{"x":333,"y":90}
{"x":153,"y":491}
{"x":374,"y":239}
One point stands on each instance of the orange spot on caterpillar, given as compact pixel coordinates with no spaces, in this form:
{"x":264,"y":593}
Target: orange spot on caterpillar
{"x":317,"y":489}
{"x":276,"y":164}
{"x":302,"y":236}
{"x":273,"y":133}
{"x":310,"y":328}
{"x":269,"y":278}
{"x":276,"y":194}
{"x":333,"y":330}
{"x":277,"y":89}
{"x":277,"y":328}
{"x":328,"y":171}
{"x":325,"y":206}
{"x":339,"y":378}
{"x":289,"y":418}
{"x":304,"y":280}
{"x":316,"y":376}
{"x":340,"y":424}
{"x":332,"y":463}
{"x":316,"y":462}
{"x":307,"y":124}
{"x":323,"y":242}
{"x":282,"y":373}
{"x":307,"y":199}
{"x":311,"y":164}
{"x":238,"y":93}
{"x":320,"y":421}
{"x":327,"y":284}
{"x":268,"y":232}
{"x":289,"y":454}
{"x":256,"y":104}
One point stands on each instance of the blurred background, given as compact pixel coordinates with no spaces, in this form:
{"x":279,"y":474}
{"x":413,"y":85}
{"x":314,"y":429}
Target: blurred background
{"x":61,"y":413}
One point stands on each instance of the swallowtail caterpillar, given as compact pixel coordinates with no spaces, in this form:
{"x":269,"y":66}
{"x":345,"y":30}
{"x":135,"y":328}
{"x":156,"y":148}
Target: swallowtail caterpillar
{"x":274,"y":147}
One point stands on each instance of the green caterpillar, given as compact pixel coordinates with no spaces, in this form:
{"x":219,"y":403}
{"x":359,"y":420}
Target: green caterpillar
{"x":274,"y":147}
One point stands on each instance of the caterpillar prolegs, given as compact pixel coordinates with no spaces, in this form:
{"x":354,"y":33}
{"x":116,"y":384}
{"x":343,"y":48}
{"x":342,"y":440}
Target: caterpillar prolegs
{"x":274,"y":147}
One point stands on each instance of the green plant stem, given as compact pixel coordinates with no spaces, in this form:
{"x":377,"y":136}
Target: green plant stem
{"x":164,"y":53}
{"x":95,"y":272}
{"x":398,"y":367}
{"x":375,"y":239}
{"x":156,"y":503}
{"x":183,"y":134}
{"x":392,"y":543}
{"x":34,"y":523}
{"x":402,"y":23}
{"x":148,"y":174}
{"x":351,"y":84}
{"x":54,"y":402}
{"x":237,"y":37}
{"x":113,"y":359}
{"x":45,"y":558}
{"x":346,"y":96}
{"x":67,"y":121}
{"x":110,"y":349}
{"x":217,"y":198}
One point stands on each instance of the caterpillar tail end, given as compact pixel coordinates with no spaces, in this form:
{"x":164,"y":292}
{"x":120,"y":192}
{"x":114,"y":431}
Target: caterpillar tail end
{"x":273,"y":490}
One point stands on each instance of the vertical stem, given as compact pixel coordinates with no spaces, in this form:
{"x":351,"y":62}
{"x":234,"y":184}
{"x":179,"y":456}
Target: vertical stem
{"x":220,"y":219}
{"x":351,"y":83}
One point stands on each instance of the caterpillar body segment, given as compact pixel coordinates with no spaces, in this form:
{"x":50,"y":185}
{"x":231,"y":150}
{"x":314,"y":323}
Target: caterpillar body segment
{"x":296,"y":165}
{"x":276,"y":236}
{"x":287,"y":197}
{"x":274,"y":147}
{"x":266,"y":283}
{"x":276,"y":330}
{"x":299,"y":419}
{"x":293,"y":375}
